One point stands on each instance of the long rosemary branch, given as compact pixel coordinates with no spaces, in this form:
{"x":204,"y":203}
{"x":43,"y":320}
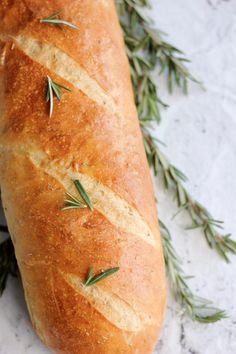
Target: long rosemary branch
{"x":146,"y":50}
{"x":198,"y":309}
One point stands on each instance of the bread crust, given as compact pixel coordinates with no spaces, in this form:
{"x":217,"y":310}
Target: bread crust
{"x":93,"y":135}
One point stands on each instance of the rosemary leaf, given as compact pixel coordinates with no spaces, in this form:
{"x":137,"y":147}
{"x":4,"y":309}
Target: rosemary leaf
{"x":54,"y":19}
{"x":50,"y":96}
{"x":93,"y":279}
{"x":198,"y":309}
{"x":83,"y":194}
{"x":54,"y":89}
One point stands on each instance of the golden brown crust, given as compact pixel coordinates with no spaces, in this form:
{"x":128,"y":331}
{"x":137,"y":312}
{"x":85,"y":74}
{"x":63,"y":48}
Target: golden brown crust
{"x":92,"y":134}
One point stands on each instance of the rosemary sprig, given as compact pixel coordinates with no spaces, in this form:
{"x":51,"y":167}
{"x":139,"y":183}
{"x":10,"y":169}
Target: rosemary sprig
{"x":198,"y":309}
{"x":73,"y":203}
{"x":8,"y":264}
{"x":173,"y":179}
{"x":93,"y":279}
{"x":54,"y":19}
{"x":83,"y":194}
{"x":54,"y":89}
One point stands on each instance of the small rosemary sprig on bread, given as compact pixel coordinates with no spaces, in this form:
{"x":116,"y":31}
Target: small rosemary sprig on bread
{"x":74,"y":203}
{"x":55,"y":19}
{"x":93,"y":279}
{"x":198,"y":309}
{"x":54,"y":89}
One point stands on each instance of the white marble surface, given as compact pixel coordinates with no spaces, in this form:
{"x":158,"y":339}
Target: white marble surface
{"x":200,"y":132}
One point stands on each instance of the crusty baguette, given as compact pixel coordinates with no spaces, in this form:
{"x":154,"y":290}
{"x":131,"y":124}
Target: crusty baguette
{"x":93,"y":136}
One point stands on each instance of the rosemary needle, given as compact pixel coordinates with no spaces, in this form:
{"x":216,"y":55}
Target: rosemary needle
{"x":83,"y":193}
{"x":54,"y":19}
{"x":93,"y":279}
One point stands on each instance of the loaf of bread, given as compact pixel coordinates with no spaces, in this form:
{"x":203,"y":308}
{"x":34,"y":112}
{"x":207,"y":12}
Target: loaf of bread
{"x":92,"y":136}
